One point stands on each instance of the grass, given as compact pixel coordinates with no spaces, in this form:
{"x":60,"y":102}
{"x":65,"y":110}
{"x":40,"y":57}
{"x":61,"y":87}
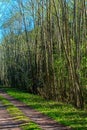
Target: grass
{"x":19,"y":116}
{"x":63,"y":113}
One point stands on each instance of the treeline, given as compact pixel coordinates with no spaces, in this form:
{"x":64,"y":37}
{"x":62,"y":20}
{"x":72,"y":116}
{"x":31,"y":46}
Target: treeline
{"x":51,"y":59}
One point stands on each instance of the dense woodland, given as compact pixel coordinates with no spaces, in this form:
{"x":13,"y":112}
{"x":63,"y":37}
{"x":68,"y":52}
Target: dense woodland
{"x":50,"y":58}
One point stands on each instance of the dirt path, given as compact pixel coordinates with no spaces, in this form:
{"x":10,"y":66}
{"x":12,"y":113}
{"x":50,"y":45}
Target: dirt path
{"x":43,"y":121}
{"x":6,"y":121}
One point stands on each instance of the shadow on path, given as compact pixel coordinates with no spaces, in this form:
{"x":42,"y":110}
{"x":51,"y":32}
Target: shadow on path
{"x":7,"y":122}
{"x":42,"y":120}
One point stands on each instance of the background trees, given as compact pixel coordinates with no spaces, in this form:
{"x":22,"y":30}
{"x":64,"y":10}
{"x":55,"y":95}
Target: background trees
{"x":44,"y":51}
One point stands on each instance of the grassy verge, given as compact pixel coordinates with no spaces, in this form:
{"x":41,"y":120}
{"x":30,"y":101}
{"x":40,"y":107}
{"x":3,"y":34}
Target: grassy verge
{"x":63,"y":113}
{"x":19,"y":116}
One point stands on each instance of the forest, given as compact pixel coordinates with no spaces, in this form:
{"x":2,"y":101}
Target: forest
{"x":44,"y":49}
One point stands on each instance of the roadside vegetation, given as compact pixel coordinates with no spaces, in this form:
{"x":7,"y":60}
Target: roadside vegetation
{"x":44,"y":52}
{"x":61,"y":112}
{"x":44,"y":48}
{"x":25,"y":122}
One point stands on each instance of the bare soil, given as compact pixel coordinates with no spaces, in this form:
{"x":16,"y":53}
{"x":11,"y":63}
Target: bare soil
{"x":42,"y":120}
{"x":6,"y":121}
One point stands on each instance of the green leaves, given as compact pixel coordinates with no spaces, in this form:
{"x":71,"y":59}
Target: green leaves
{"x":61,"y":112}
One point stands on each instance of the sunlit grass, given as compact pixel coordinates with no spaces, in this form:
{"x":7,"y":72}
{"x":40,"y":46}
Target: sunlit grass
{"x":63,"y":113}
{"x":17,"y":115}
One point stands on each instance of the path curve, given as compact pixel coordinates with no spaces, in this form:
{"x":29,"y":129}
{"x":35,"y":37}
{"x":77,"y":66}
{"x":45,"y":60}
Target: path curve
{"x":42,"y":120}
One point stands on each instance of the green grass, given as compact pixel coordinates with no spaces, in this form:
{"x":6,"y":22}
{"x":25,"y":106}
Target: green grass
{"x":17,"y":115}
{"x":63,"y":113}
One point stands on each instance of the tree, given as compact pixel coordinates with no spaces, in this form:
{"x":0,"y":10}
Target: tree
{"x":50,"y":58}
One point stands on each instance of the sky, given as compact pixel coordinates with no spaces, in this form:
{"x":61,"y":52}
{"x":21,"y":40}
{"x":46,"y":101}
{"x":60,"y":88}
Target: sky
{"x":5,"y":5}
{"x":3,"y":14}
{"x":6,"y":10}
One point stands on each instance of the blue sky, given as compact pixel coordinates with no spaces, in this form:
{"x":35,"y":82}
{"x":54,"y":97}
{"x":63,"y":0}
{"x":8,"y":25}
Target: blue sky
{"x":7,"y":9}
{"x":3,"y":14}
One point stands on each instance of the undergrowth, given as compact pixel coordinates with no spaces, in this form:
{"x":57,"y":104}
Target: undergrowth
{"x":26,"y":123}
{"x":63,"y":113}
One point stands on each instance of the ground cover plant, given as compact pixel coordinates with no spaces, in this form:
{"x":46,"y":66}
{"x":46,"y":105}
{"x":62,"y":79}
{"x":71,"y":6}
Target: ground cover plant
{"x":43,"y":50}
{"x":26,"y":123}
{"x":61,"y":112}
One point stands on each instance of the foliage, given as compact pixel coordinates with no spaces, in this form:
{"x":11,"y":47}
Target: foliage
{"x":47,"y":54}
{"x":61,"y":112}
